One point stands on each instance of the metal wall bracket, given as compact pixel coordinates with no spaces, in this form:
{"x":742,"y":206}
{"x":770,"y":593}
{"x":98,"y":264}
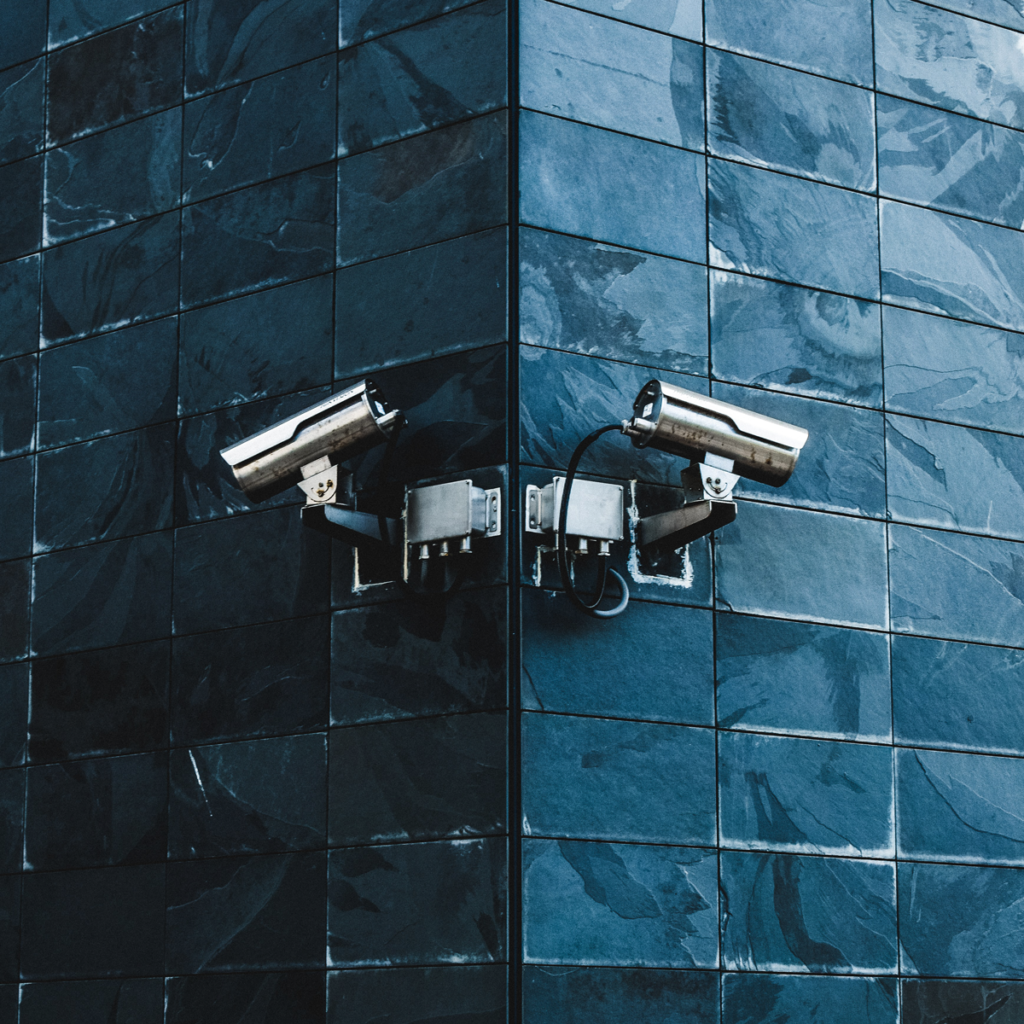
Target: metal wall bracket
{"x":680,"y":526}
{"x":349,"y":525}
{"x":595,"y":510}
{"x":445,"y":517}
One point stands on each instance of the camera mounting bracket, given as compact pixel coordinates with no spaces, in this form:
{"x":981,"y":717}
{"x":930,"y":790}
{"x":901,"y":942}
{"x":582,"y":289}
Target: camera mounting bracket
{"x":680,"y":526}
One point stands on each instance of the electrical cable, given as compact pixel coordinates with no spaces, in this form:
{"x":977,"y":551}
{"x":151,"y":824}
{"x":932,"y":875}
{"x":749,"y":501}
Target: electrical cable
{"x":561,"y":552}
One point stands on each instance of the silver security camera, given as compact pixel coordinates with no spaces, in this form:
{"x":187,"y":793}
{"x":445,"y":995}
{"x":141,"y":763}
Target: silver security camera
{"x":298,"y":450}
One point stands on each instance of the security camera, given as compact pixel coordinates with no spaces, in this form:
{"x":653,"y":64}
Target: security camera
{"x":298,"y":450}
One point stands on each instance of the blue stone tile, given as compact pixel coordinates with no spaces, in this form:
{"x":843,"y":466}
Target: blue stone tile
{"x":16,"y":487}
{"x":97,"y":812}
{"x":831,"y":39}
{"x":407,"y":994}
{"x":768,"y":998}
{"x":955,"y":586}
{"x":91,"y":703}
{"x":589,"y":667}
{"x":22,"y":31}
{"x":417,"y":903}
{"x":791,"y":562}
{"x":246,"y":913}
{"x":253,"y":568}
{"x":122,"y":485}
{"x":93,"y":923}
{"x":261,"y":796}
{"x":21,"y":186}
{"x":18,"y":386}
{"x":365,"y":19}
{"x":605,"y":73}
{"x":772,"y":225}
{"x":952,"y":163}
{"x":606,"y":995}
{"x":622,"y":905}
{"x":400,"y":308}
{"x":957,"y":695}
{"x":295,"y":996}
{"x":71,"y":20}
{"x":612,"y":188}
{"x":431,"y":778}
{"x":105,"y":385}
{"x":931,"y":1000}
{"x":794,"y":677}
{"x":19,"y":307}
{"x":104,"y":594}
{"x":250,"y":682}
{"x":115,"y":76}
{"x":793,"y":339}
{"x":943,"y":59}
{"x":932,"y":474}
{"x":111,"y":279}
{"x":676,"y":17}
{"x":960,"y":807}
{"x":9,"y":997}
{"x":424,"y":189}
{"x":12,"y":818}
{"x":14,"y":724}
{"x":961,"y":920}
{"x":774,"y":117}
{"x":257,"y":346}
{"x":15,"y":585}
{"x":592,"y":778}
{"x":999,"y":11}
{"x":21,"y":111}
{"x":594,"y":299}
{"x":438,"y":72}
{"x":805,"y":796}
{"x":260,"y":130}
{"x":842,"y":466}
{"x":277,"y":231}
{"x":10,"y":932}
{"x":823,"y":915}
{"x":112,"y":178}
{"x":138,"y":1000}
{"x":948,"y":370}
{"x":228,"y":41}
{"x":945,"y":264}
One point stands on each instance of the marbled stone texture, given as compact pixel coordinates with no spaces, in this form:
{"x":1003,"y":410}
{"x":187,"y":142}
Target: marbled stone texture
{"x":139,"y":1000}
{"x":771,"y":999}
{"x":676,"y":17}
{"x":19,"y":306}
{"x":21,"y":111}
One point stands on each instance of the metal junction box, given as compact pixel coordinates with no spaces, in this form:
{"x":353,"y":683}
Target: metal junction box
{"x":595,"y":512}
{"x":453,"y":511}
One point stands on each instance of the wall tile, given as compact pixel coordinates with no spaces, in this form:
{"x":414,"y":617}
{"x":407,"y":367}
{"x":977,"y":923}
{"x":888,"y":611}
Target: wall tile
{"x":438,"y":72}
{"x":787,"y":677}
{"x":805,"y":796}
{"x":932,"y":1000}
{"x":446,"y":183}
{"x":112,"y":701}
{"x":772,"y":225}
{"x":93,"y":924}
{"x":606,"y":186}
{"x":595,"y":299}
{"x":961,"y":920}
{"x":23,"y":30}
{"x":773,"y":117}
{"x":227,"y":41}
{"x":947,"y":370}
{"x":15,"y":581}
{"x":263,"y":796}
{"x":115,"y":77}
{"x":433,"y":778}
{"x":260,"y":130}
{"x":956,"y":586}
{"x":21,"y":111}
{"x":134,"y":1000}
{"x":9,"y":1004}
{"x":575,"y":664}
{"x":605,"y":903}
{"x":928,"y":480}
{"x":762,"y":998}
{"x":948,"y":61}
{"x":365,"y":19}
{"x":803,"y":564}
{"x":298,"y":997}
{"x":957,"y":695}
{"x":19,"y":306}
{"x":842,"y":466}
{"x":245,"y":913}
{"x":833,"y":40}
{"x":12,"y":818}
{"x":256,"y":346}
{"x":18,"y":386}
{"x":21,"y":186}
{"x":122,"y":485}
{"x":104,"y":594}
{"x":609,"y":74}
{"x":410,"y":994}
{"x":71,"y":20}
{"x":99,"y":812}
{"x":822,"y":915}
{"x":592,"y":778}
{"x":251,"y":569}
{"x":10,"y":928}
{"x":278,"y":231}
{"x":603,"y":995}
{"x":14,"y":723}
{"x":249,"y":682}
{"x":16,"y":486}
{"x":108,"y":384}
{"x":428,"y":302}
{"x":417,"y":903}
{"x":676,"y":17}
